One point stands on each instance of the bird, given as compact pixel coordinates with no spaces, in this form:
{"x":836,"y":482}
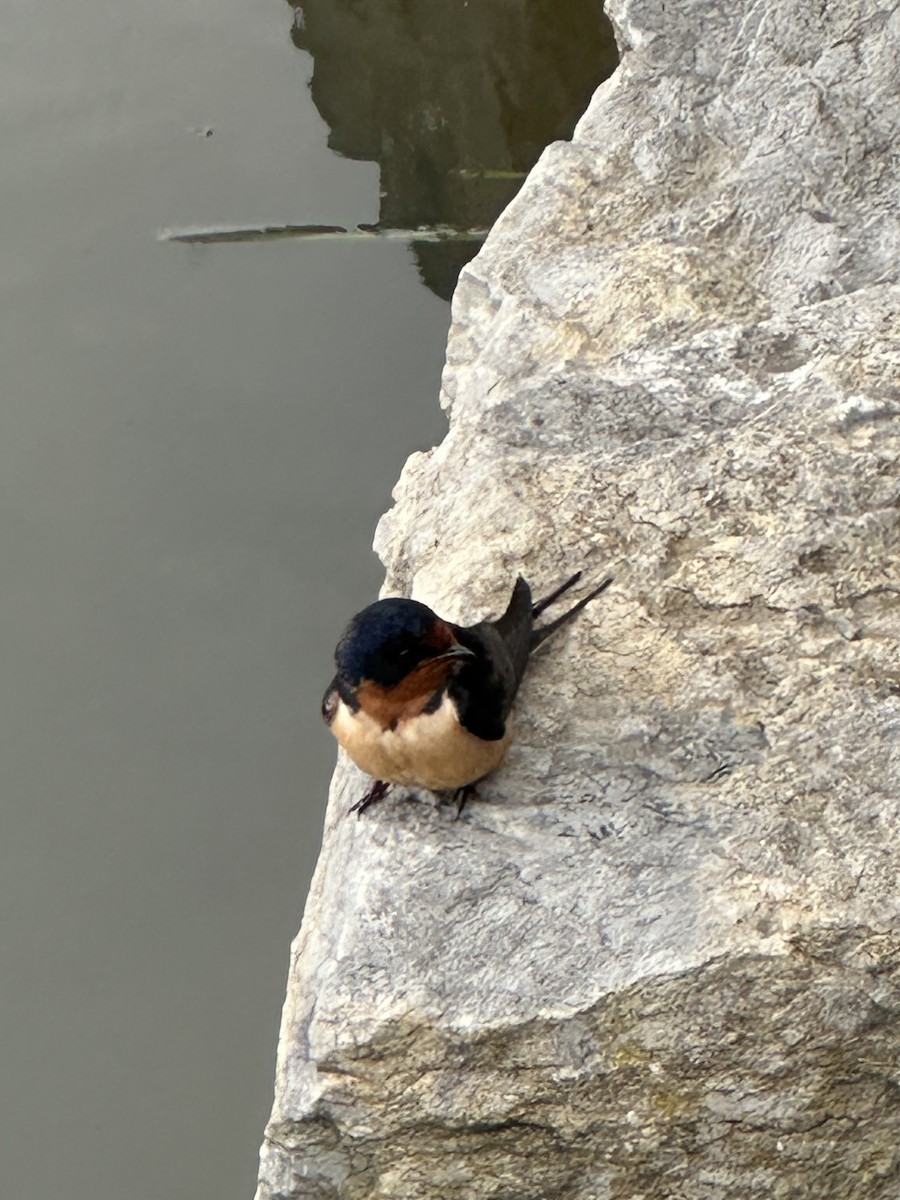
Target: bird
{"x":418,"y":701}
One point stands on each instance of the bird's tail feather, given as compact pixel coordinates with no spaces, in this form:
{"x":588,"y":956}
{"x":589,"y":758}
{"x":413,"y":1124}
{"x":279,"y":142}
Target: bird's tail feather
{"x":540,"y":605}
{"x":540,"y":635}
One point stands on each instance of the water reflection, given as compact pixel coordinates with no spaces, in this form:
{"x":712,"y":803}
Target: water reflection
{"x":454,"y":99}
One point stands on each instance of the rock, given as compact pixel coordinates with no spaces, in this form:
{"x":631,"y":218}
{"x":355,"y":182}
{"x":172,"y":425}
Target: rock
{"x":660,"y":957}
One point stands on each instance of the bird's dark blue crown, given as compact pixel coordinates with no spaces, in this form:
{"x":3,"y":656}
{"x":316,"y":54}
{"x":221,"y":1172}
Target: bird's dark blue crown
{"x":385,"y":642}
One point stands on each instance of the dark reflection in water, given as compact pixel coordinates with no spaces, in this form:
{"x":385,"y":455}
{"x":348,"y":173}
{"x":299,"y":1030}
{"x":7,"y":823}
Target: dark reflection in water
{"x":455,"y":99}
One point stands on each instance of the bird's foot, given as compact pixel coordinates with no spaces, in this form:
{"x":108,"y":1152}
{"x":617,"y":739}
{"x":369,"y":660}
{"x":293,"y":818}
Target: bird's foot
{"x":376,"y":792}
{"x":464,"y":794}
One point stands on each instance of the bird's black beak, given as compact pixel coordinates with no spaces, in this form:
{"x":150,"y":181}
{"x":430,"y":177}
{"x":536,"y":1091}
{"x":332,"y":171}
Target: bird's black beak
{"x":457,"y":651}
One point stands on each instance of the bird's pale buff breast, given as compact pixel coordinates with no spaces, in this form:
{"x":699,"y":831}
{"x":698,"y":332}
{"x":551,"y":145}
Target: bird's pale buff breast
{"x":431,"y":750}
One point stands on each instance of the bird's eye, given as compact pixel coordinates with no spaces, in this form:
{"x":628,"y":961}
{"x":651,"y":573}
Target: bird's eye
{"x":405,"y":653}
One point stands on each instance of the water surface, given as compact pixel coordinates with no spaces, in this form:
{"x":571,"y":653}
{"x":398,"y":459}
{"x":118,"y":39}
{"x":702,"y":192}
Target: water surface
{"x":194,"y":444}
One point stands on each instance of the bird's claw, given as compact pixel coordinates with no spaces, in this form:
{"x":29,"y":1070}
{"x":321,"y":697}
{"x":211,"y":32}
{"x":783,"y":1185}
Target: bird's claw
{"x":376,"y":792}
{"x":462,"y":795}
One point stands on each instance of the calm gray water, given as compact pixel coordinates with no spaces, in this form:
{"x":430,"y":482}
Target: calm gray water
{"x":194,"y":446}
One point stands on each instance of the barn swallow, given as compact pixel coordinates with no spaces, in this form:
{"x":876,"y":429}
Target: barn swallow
{"x":421,"y":702}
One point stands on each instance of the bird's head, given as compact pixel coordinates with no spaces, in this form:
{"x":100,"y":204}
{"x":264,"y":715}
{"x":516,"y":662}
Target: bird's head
{"x":394,"y":655}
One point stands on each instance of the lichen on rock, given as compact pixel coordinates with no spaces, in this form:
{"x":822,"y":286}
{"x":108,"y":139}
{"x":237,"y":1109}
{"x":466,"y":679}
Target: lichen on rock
{"x":660,"y":957}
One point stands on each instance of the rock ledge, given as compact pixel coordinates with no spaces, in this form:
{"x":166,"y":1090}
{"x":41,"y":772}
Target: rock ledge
{"x":660,"y":959}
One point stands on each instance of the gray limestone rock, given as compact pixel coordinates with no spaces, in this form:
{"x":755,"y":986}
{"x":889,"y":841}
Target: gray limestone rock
{"x":660,"y":958}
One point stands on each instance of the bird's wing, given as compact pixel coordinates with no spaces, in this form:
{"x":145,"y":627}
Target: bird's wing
{"x":483,"y":690}
{"x":515,"y":628}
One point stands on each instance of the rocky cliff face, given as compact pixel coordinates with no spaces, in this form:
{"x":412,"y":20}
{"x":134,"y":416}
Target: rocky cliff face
{"x":660,"y":957}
